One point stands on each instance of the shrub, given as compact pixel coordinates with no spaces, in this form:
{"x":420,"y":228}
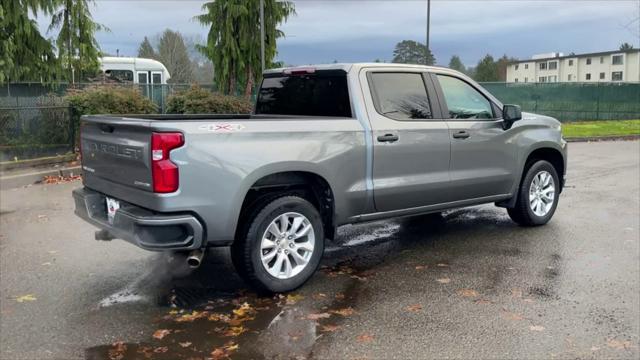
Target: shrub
{"x":197,"y":100}
{"x":109,"y":100}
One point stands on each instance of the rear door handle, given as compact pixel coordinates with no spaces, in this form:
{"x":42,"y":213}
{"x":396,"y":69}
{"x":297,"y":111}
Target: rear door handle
{"x":388,"y":138}
{"x":461,"y":135}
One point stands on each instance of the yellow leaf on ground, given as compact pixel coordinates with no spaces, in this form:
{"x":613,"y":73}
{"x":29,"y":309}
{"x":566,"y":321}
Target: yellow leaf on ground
{"x":24,"y":298}
{"x":293,"y":298}
{"x":468,"y":293}
{"x":234,"y":331}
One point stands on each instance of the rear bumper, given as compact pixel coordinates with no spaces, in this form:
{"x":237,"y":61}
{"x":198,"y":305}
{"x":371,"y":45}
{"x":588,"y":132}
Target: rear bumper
{"x":144,"y":228}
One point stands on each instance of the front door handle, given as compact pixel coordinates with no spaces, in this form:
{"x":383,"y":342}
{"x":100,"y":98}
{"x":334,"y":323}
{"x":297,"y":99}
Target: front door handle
{"x":461,"y":135}
{"x":388,"y":138}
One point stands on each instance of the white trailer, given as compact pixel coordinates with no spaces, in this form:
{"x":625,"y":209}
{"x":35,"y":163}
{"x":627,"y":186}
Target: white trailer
{"x":137,"y":70}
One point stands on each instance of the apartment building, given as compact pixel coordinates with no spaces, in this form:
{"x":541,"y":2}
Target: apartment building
{"x":607,"y":66}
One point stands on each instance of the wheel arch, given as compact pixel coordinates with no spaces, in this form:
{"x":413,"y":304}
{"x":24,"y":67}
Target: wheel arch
{"x":304,"y":183}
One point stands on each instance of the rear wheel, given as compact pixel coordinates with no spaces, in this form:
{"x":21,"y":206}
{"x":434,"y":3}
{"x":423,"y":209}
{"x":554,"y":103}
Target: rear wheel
{"x":537,"y":196}
{"x":281,"y":246}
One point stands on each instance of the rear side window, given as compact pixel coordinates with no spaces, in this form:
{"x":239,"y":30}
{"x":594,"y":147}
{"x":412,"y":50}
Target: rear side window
{"x":400,"y":96}
{"x":315,"y":94}
{"x":463,"y":100}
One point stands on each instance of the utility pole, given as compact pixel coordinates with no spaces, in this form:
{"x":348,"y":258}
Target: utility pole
{"x":262,"y":35}
{"x":426,"y":58}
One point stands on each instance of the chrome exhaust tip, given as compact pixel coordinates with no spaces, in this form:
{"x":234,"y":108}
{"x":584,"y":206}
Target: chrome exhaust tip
{"x":195,"y":258}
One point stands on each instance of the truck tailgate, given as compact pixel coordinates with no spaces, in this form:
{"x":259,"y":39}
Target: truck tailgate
{"x":117,"y":150}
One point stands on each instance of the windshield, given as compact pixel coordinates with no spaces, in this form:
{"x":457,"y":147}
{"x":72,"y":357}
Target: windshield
{"x":317,"y":94}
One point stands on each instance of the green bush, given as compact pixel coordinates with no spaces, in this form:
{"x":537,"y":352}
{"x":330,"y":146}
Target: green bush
{"x":109,"y":100}
{"x":197,"y":100}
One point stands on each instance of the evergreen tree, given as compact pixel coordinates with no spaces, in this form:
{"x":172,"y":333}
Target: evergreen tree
{"x":412,"y":52}
{"x":486,"y":70}
{"x":78,"y":49}
{"x":456,"y":64}
{"x":146,"y":50}
{"x":233,"y":41}
{"x":25,"y":55}
{"x":625,"y":46}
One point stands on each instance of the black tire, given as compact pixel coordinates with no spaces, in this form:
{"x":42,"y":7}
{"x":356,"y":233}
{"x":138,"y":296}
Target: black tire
{"x":522,"y":213}
{"x":245,"y":251}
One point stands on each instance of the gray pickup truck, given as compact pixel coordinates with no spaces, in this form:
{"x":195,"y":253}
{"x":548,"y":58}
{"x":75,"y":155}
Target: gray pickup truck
{"x":327,"y":145}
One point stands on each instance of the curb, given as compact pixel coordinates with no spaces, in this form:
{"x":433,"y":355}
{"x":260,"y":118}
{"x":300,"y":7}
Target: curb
{"x":15,"y":181}
{"x":604,"y":138}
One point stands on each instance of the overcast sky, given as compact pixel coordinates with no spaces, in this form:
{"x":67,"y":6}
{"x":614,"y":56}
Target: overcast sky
{"x":363,"y":30}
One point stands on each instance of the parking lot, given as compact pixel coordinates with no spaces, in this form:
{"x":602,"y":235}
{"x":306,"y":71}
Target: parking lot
{"x":467,"y":283}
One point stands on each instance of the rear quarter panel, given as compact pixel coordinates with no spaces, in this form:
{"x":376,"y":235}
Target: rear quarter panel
{"x":217,"y":168}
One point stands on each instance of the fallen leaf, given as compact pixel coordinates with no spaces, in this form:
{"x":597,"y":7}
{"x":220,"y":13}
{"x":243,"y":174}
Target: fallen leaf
{"x":293,"y":298}
{"x":193,"y":316}
{"x":319,"y":296}
{"x":339,"y":296}
{"x":117,"y":350}
{"x":364,"y":338}
{"x":467,"y":293}
{"x":161,"y":333}
{"x":224,"y":352}
{"x":146,"y":351}
{"x":618,"y":344}
{"x":318,"y":316}
{"x":23,"y":298}
{"x":244,"y":310}
{"x":421,"y":267}
{"x":443,"y":280}
{"x":185,"y":344}
{"x":329,"y":328}
{"x":442,"y":265}
{"x":536,"y":328}
{"x":234,"y":331}
{"x":344,"y":312}
{"x":414,"y":307}
{"x":512,"y":316}
{"x":160,"y":350}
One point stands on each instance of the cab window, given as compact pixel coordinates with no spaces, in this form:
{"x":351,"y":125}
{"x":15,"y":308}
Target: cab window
{"x":400,"y":96}
{"x":463,"y":100}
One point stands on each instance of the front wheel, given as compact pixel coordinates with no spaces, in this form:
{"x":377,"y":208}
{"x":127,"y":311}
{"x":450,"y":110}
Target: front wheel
{"x":537,"y":195}
{"x":282,"y":244}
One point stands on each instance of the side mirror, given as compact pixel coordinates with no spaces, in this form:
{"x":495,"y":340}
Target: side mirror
{"x":511,"y":114}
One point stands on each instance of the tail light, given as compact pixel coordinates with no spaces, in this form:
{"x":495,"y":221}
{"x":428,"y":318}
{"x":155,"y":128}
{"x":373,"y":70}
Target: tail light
{"x":164,"y":172}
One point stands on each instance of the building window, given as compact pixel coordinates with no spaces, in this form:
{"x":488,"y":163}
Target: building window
{"x":571,"y":62}
{"x":617,"y":59}
{"x":588,"y":61}
{"x":516,"y":66}
{"x":526,"y":66}
{"x":553,"y":65}
{"x":588,"y":77}
{"x":516,"y":79}
{"x":569,"y":77}
{"x":616,"y":76}
{"x":543,"y":66}
{"x":542,"y":79}
{"x":601,"y":59}
{"x":601,"y":76}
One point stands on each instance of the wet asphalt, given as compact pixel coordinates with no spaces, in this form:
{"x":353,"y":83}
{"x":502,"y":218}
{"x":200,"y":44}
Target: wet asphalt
{"x":467,"y":283}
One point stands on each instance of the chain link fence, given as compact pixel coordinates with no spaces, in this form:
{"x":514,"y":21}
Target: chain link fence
{"x":35,"y":121}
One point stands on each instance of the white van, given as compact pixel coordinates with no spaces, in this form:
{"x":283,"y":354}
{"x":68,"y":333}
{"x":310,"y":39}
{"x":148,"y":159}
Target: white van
{"x":137,"y":70}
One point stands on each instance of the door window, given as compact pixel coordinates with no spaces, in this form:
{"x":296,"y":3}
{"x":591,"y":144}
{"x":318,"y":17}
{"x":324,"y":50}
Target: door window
{"x":156,"y":78}
{"x":463,"y":101}
{"x":400,"y":96}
